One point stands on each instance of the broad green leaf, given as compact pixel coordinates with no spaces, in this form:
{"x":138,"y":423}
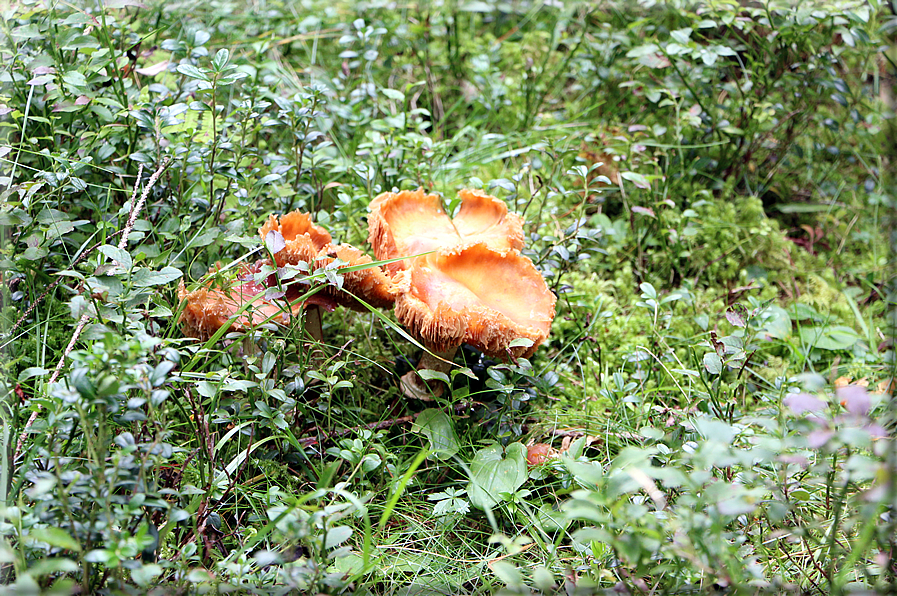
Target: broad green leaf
{"x":830,"y":337}
{"x":146,"y":278}
{"x":636,"y":178}
{"x":521,"y":342}
{"x":337,"y":535}
{"x":55,"y":537}
{"x":712,"y":363}
{"x":34,"y":371}
{"x":188,"y":70}
{"x":433,"y":375}
{"x":118,"y":255}
{"x":440,"y":431}
{"x":143,"y":575}
{"x":205,"y":238}
{"x":220,"y":59}
{"x":495,"y":470}
{"x":393,"y":94}
{"x":776,"y":322}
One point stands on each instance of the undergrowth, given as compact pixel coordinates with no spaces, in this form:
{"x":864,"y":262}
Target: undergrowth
{"x":705,"y":187}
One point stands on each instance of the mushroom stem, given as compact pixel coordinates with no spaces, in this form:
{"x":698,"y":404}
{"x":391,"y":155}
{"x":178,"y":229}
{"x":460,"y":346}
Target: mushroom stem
{"x":313,"y":322}
{"x":415,"y":387}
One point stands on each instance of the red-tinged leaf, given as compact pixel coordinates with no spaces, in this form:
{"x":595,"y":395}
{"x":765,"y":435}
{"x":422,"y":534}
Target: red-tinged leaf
{"x":736,"y":314}
{"x":644,"y":211}
{"x":82,"y":100}
{"x":275,"y":242}
{"x":804,"y":402}
{"x":636,"y":178}
{"x":40,"y":80}
{"x":42,"y":70}
{"x":151,"y":71}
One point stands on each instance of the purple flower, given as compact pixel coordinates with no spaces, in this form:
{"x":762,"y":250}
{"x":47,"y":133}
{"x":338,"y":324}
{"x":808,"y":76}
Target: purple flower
{"x":804,"y":402}
{"x":855,"y":398}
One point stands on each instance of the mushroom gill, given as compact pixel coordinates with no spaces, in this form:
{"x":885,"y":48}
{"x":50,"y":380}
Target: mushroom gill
{"x":476,"y":295}
{"x":411,"y":222}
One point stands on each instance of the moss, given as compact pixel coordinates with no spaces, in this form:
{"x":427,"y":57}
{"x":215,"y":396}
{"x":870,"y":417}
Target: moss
{"x":732,"y":235}
{"x":821,"y":294}
{"x":278,"y":474}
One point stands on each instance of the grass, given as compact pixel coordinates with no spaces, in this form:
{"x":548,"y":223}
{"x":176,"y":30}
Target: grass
{"x":706,"y":190}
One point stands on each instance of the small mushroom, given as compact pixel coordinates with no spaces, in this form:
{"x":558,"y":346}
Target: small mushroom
{"x":304,"y":244}
{"x":207,"y":309}
{"x":308,"y":244}
{"x":538,"y":454}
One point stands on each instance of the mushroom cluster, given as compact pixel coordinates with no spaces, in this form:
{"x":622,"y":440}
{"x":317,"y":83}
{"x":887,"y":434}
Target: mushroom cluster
{"x":464,"y":280}
{"x":452,"y":280}
{"x":250,"y":302}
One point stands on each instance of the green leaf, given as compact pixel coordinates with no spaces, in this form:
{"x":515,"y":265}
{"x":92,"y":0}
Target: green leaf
{"x":55,"y":537}
{"x":433,"y":375}
{"x":636,"y":178}
{"x":188,"y":70}
{"x":146,"y":278}
{"x":33,"y":253}
{"x":205,"y":238}
{"x":118,"y":255}
{"x":220,"y":60}
{"x":145,"y":574}
{"x":521,"y":342}
{"x":495,"y":470}
{"x":232,"y":77}
{"x":803,"y":208}
{"x":337,"y":535}
{"x":74,"y":78}
{"x":393,"y":94}
{"x":440,"y":431}
{"x":34,"y":371}
{"x":476,"y":6}
{"x":834,"y":337}
{"x":712,"y":363}
{"x":681,"y":35}
{"x":776,"y":322}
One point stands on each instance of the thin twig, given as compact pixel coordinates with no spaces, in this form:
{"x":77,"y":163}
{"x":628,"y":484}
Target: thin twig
{"x":309,"y":441}
{"x":82,"y":322}
{"x":55,"y":283}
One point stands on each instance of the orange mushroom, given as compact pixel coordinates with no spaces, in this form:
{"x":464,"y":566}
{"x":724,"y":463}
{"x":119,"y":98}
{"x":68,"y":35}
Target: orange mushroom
{"x":473,"y":287}
{"x":479,"y":296}
{"x":304,"y":244}
{"x":207,"y":309}
{"x":309,"y":244}
{"x":411,"y":222}
{"x":475,"y":295}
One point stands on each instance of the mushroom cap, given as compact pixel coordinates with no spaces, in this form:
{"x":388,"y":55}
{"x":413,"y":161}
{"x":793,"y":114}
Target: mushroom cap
{"x":476,"y":295}
{"x":303,"y":238}
{"x":370,"y":284}
{"x":311,"y":244}
{"x":207,"y":308}
{"x":412,"y":222}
